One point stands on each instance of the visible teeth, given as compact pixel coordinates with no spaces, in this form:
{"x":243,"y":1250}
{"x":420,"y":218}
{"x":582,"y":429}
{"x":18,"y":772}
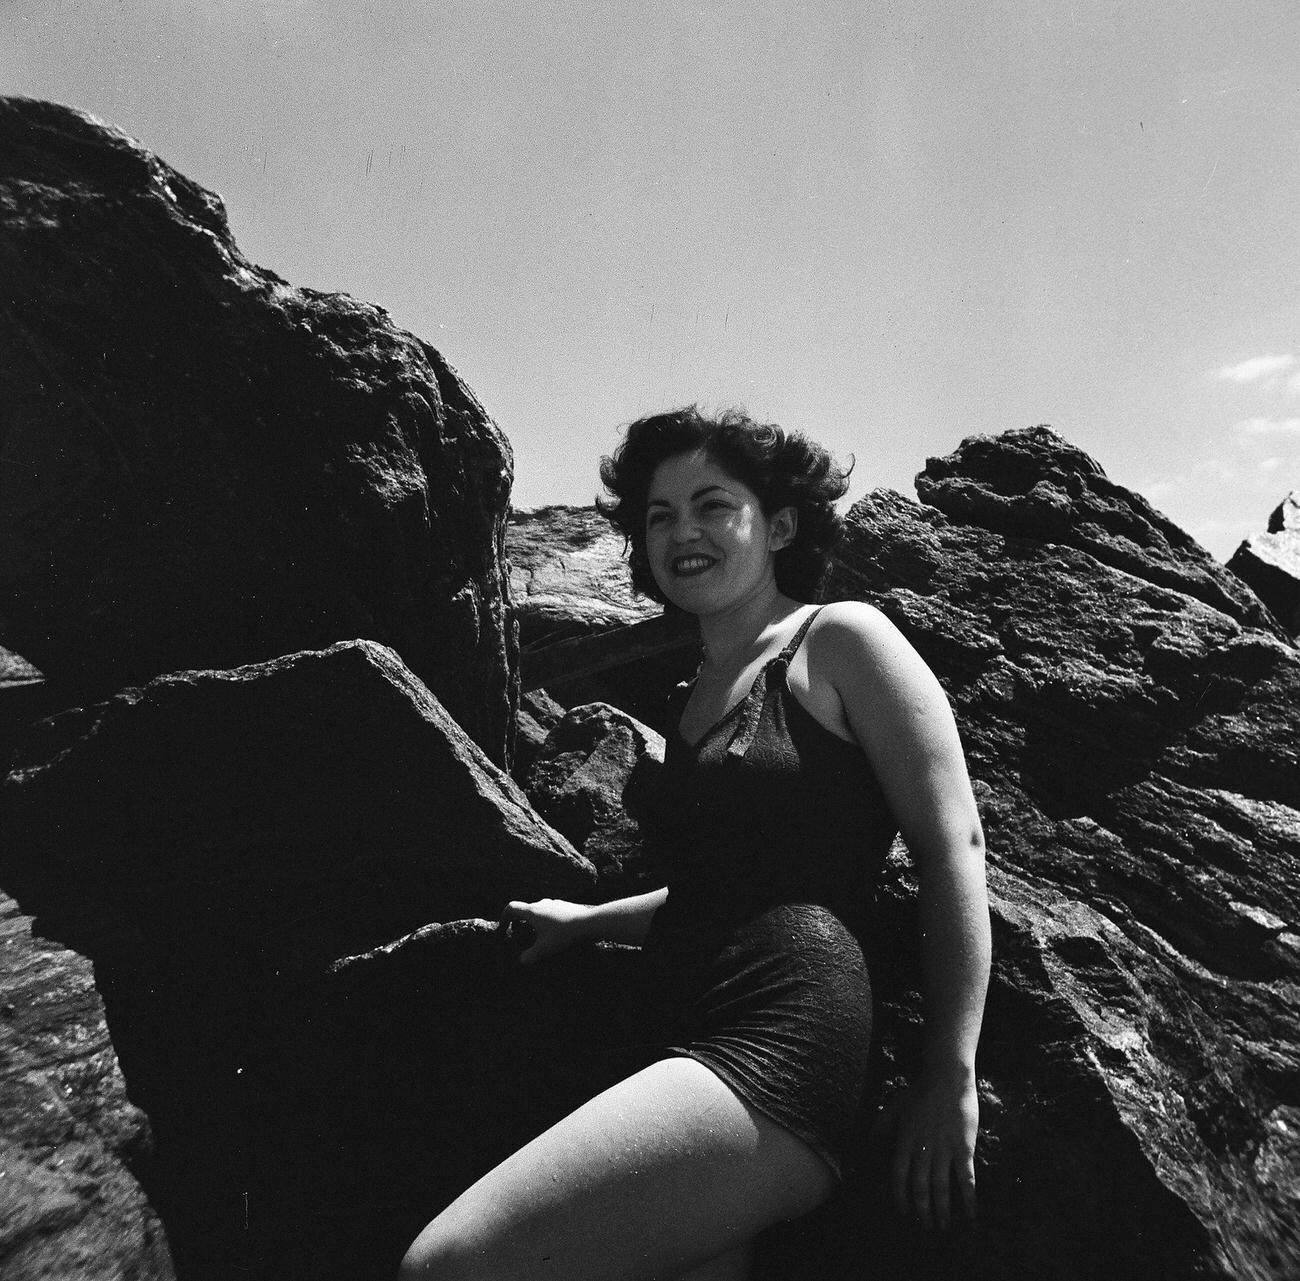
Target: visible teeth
{"x":689,"y":564}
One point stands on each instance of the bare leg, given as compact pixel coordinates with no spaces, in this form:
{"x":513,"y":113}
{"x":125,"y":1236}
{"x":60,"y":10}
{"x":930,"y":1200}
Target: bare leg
{"x":666,"y":1172}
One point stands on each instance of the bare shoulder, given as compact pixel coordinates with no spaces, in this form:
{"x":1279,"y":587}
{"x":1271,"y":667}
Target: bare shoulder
{"x":846,"y":620}
{"x":883,"y":684}
{"x":856,"y":641}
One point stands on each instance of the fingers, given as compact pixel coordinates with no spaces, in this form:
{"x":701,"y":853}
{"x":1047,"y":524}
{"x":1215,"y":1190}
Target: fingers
{"x":940,"y":1195}
{"x":923,"y":1179}
{"x":517,"y":923}
{"x":966,"y":1187}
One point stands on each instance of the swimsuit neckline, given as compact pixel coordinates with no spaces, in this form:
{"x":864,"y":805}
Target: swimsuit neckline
{"x":759,"y":689}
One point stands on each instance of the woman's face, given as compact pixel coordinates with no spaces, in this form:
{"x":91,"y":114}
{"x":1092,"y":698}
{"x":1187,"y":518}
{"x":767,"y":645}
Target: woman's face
{"x":707,"y":540}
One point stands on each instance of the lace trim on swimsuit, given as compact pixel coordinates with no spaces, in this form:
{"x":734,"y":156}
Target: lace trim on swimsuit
{"x":751,"y":709}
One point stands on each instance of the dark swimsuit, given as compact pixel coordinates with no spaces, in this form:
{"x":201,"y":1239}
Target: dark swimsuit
{"x":770,"y":833}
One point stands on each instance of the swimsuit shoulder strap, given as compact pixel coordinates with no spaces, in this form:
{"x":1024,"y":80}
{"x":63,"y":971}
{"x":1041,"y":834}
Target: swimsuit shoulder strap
{"x":751,"y":710}
{"x":786,"y":656}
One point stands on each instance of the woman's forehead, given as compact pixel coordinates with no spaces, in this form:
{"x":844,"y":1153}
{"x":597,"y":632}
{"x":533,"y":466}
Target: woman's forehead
{"x":683,"y":475}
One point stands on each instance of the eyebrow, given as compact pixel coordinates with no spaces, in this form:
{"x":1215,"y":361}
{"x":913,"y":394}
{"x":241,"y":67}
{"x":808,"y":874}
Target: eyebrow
{"x":699,"y":493}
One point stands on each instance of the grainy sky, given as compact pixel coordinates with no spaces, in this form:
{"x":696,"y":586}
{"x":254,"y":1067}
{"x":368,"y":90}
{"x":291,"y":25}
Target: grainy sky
{"x":891,"y":225}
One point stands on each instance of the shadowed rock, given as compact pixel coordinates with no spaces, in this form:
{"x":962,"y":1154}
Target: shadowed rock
{"x":72,"y":1148}
{"x":582,"y":782}
{"x":213,"y":841}
{"x":204,"y":465}
{"x":1270,"y":563}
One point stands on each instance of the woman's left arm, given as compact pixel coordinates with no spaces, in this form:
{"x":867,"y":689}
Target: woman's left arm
{"x":898,"y":712}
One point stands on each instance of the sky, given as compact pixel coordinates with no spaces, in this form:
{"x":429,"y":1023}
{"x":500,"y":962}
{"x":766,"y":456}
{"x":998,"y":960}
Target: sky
{"x":889,"y":225}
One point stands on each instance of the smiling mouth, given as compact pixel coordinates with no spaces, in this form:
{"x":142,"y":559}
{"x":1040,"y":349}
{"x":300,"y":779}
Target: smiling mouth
{"x":689,"y":566}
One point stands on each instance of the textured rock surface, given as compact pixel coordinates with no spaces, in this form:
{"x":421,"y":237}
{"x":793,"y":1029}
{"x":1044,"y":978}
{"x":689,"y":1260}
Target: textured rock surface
{"x":1133,"y":728}
{"x":1034,"y":484}
{"x":569,"y":580}
{"x":72,"y":1148}
{"x":214,"y":838}
{"x":580,"y":783}
{"x":1270,"y":563}
{"x":324,"y":798}
{"x":205,"y":466}
{"x":568,"y":575}
{"x":23,"y":699}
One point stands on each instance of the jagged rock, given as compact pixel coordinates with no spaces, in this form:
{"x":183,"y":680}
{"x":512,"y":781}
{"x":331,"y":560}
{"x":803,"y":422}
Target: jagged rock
{"x":1132,"y":723}
{"x":538,"y":714}
{"x":72,"y":1148}
{"x":1033,"y":484}
{"x":333,"y":774}
{"x":581,"y":783}
{"x":1270,"y":563}
{"x":568,"y":576}
{"x":23,"y":699}
{"x":212,"y":840}
{"x":205,"y":466}
{"x":584,"y":634}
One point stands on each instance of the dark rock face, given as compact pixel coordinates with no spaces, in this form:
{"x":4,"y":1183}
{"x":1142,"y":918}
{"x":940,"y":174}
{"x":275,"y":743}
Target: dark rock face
{"x":24,"y":698}
{"x":205,"y":466}
{"x":582,"y":782}
{"x":72,"y":1148}
{"x":1270,"y":563}
{"x":213,"y":841}
{"x":334,"y":774}
{"x":1135,"y":745}
{"x":1033,"y":484}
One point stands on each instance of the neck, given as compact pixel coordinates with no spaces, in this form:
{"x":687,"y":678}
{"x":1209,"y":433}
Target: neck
{"x":733,"y":636}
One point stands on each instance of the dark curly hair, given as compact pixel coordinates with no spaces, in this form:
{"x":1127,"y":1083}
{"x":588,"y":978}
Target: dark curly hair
{"x":784,"y":469}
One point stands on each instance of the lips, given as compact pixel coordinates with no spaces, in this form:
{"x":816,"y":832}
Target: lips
{"x":690,"y":566}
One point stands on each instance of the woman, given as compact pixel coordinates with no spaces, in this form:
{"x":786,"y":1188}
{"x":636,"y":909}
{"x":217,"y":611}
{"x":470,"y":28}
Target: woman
{"x":809,"y":736}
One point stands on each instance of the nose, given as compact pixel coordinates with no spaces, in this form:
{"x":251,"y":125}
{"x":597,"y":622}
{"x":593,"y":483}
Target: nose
{"x":686,"y":528}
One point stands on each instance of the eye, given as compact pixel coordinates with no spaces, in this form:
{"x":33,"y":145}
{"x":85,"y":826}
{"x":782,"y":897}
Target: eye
{"x":655,"y":517}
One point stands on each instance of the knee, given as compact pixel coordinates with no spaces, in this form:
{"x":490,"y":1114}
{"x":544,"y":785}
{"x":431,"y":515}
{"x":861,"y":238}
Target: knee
{"x":437,"y":1255}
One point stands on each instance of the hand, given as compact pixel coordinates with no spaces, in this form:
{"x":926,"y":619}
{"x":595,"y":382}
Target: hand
{"x":932,"y":1126}
{"x":554,"y":923}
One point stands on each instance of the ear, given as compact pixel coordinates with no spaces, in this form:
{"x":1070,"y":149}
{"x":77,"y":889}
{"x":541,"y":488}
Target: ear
{"x":784,"y":526}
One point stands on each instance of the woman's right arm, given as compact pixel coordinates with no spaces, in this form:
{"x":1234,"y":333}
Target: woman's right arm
{"x":558,"y":924}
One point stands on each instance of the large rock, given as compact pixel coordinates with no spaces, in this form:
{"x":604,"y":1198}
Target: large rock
{"x":1270,"y":563}
{"x":1132,"y":722}
{"x":1033,"y":484}
{"x":213,"y":841}
{"x":73,"y":1150}
{"x":568,"y":574}
{"x":324,"y":801}
{"x":582,"y":782}
{"x":205,"y":466}
{"x":584,"y":634}
{"x":23,"y":699}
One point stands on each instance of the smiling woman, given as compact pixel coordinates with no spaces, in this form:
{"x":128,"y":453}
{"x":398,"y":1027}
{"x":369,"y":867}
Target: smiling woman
{"x":811,"y":735}
{"x":779,"y":469}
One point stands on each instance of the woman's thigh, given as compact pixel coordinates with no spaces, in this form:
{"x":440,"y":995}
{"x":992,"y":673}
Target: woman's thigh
{"x":650,"y":1179}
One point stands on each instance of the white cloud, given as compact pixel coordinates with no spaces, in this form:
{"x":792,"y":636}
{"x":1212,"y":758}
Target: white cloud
{"x":1293,"y":384}
{"x":1267,"y":427}
{"x":1258,"y":369}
